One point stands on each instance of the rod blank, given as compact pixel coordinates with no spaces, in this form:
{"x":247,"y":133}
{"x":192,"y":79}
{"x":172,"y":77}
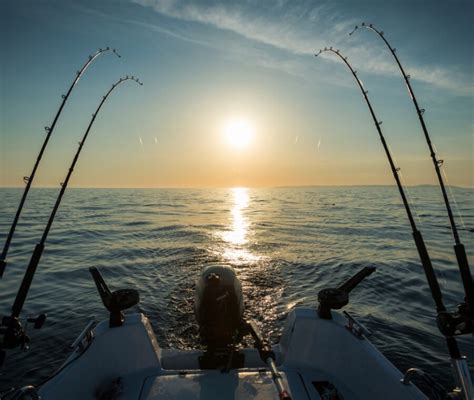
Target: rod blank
{"x":418,"y":238}
{"x":29,"y":179}
{"x":35,"y":259}
{"x":459,"y":249}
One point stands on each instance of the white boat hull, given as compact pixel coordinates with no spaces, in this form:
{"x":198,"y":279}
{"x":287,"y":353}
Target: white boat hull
{"x":315,"y":356}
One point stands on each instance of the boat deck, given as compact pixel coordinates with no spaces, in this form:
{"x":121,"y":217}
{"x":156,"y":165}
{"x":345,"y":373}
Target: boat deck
{"x":317,"y":359}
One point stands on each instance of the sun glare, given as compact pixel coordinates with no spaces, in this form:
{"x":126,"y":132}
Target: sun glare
{"x":238,"y":132}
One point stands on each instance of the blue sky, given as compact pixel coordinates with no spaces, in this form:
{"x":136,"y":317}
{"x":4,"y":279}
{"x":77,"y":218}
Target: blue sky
{"x":205,"y":62}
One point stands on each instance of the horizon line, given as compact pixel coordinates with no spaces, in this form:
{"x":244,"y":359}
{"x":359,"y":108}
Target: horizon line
{"x":237,"y":186}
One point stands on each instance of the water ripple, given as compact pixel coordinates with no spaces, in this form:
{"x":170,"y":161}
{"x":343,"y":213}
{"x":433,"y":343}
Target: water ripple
{"x":285,"y":244}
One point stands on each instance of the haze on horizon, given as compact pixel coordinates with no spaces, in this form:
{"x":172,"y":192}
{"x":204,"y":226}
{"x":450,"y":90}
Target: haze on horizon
{"x":232,"y":94}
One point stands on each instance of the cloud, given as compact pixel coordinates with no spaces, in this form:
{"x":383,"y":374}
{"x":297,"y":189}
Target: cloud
{"x":302,"y":29}
{"x":279,"y":32}
{"x":146,"y":25}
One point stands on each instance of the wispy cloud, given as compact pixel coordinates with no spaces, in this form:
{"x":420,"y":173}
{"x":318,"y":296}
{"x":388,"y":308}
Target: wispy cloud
{"x":301,"y":30}
{"x":280,"y":31}
{"x":146,"y":25}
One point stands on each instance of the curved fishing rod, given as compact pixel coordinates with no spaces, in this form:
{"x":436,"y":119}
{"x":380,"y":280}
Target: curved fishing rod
{"x":459,"y":249}
{"x":446,"y":322}
{"x":425,"y":259}
{"x":14,"y":334}
{"x":25,"y":285}
{"x":49,"y":130}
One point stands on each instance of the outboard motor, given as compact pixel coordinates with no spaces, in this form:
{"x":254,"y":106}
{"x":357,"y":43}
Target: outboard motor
{"x":219,"y":309}
{"x":219,"y":306}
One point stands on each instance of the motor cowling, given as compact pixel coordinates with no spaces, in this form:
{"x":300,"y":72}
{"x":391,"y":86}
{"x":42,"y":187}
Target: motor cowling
{"x":218,"y":305}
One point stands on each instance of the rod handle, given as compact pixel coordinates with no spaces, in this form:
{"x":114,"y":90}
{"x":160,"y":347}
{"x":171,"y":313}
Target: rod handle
{"x":465,"y":275}
{"x":429,"y":271}
{"x":27,"y":279}
{"x":3,"y":264}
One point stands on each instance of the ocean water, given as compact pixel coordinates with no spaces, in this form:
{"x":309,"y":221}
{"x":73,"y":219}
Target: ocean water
{"x":285,"y":244}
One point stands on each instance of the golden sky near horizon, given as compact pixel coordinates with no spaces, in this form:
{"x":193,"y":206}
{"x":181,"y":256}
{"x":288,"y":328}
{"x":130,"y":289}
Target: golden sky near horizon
{"x":228,"y":106}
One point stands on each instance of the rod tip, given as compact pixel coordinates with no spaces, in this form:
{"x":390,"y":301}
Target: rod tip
{"x":355,"y":28}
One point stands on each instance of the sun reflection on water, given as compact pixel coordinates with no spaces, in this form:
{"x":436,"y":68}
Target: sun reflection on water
{"x":240,"y":224}
{"x":237,"y":237}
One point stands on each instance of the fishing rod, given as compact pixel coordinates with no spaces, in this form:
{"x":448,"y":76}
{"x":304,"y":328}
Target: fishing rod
{"x":49,"y":130}
{"x":459,"y":249}
{"x":14,"y":334}
{"x":453,"y":326}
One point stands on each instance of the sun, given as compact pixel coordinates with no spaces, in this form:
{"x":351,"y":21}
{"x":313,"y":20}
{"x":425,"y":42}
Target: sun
{"x":238,"y":132}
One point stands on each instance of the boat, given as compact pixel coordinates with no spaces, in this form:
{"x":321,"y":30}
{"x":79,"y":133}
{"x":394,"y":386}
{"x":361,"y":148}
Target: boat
{"x":322,"y":354}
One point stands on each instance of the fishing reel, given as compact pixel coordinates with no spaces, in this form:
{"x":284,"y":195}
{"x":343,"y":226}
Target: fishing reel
{"x":13,"y":334}
{"x":336,"y":298}
{"x":459,"y":322}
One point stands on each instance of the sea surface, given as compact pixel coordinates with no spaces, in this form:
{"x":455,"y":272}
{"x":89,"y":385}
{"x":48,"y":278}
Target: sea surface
{"x":285,"y":244}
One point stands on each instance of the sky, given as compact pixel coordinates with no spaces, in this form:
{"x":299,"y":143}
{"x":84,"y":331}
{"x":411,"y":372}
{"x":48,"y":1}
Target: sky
{"x":232,"y":94}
